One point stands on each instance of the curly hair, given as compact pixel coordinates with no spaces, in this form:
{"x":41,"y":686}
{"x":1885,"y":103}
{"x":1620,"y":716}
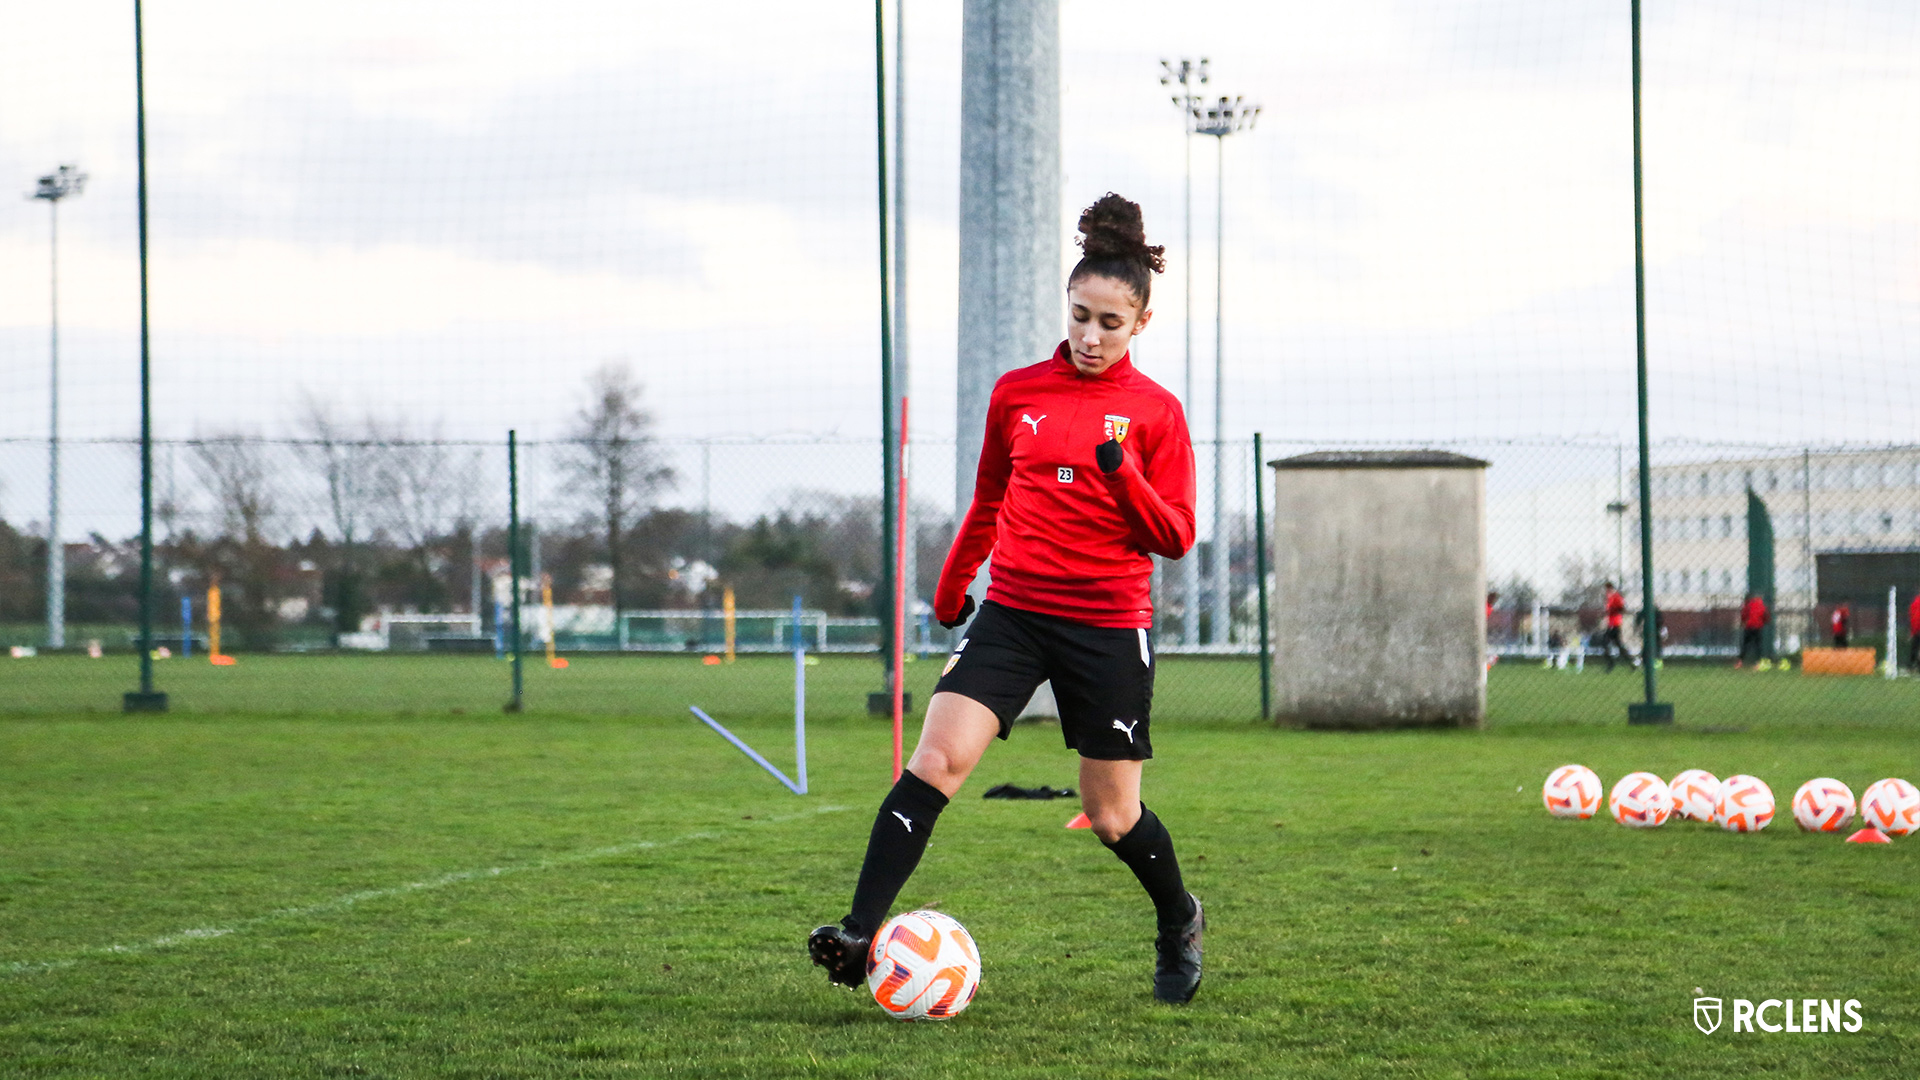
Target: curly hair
{"x":1113,"y":240}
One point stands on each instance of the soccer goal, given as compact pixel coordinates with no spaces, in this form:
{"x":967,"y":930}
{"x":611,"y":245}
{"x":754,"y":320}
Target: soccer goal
{"x":442,"y":632}
{"x":752,"y":631}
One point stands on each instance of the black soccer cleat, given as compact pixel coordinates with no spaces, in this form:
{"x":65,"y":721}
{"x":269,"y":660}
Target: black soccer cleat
{"x":842,"y":952}
{"x":1176,"y":971}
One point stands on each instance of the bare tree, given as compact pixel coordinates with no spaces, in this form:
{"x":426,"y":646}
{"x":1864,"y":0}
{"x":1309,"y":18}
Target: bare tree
{"x":343,"y":455}
{"x":613,"y":461}
{"x":419,"y":495}
{"x":1581,"y":578}
{"x":235,"y":471}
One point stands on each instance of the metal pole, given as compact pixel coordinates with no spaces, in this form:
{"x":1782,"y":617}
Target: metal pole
{"x":1650,"y":711}
{"x":1222,"y":549}
{"x":1806,"y":539}
{"x":1620,"y":519}
{"x":56,"y":554}
{"x":1893,"y":633}
{"x":799,"y":700}
{"x":513,"y":560}
{"x":898,"y":659}
{"x":146,"y":699}
{"x":889,"y":461}
{"x":1260,"y":575}
{"x":1190,"y":565}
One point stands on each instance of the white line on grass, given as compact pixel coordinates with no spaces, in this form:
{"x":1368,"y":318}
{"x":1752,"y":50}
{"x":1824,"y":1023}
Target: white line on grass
{"x":341,"y":903}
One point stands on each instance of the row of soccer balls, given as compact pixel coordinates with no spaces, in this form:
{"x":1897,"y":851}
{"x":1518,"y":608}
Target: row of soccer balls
{"x":1740,"y":803}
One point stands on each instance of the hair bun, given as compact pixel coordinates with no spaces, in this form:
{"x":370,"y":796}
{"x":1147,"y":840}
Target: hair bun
{"x":1112,"y":228}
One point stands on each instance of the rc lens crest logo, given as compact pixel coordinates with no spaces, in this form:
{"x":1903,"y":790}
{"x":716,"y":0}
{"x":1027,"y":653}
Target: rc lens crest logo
{"x":1802,"y":1016}
{"x":1117,"y":427}
{"x":1706,"y":1014}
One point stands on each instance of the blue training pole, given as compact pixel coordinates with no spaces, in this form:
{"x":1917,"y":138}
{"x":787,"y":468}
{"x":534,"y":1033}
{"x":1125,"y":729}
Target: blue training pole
{"x":747,"y":750}
{"x":186,"y":626}
{"x":800,"y":699}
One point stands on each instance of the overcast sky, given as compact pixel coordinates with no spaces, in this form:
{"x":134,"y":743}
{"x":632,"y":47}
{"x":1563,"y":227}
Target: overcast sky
{"x":451,"y":212}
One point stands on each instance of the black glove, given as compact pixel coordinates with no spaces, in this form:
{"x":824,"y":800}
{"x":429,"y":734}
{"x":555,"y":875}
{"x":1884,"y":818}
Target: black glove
{"x":966,"y":612}
{"x":1109,"y":455}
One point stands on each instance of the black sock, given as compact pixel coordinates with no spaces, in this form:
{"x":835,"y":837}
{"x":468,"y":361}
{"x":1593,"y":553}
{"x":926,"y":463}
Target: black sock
{"x":1148,"y":852}
{"x":899,"y":838}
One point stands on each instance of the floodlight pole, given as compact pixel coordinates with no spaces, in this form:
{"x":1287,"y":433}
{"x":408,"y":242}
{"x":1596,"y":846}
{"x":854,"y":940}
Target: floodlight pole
{"x":1187,"y":75}
{"x":145,"y":699}
{"x":1652,"y":710}
{"x":57,"y":185}
{"x":1220,"y":120}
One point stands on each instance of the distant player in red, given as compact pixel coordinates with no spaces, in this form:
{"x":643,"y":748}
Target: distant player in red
{"x":1842,"y":622}
{"x":1753,"y":619}
{"x":1086,"y":470}
{"x":1616,"y":620}
{"x":1913,"y":633}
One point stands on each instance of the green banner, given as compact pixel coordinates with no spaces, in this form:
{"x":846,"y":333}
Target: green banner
{"x":1760,"y":560}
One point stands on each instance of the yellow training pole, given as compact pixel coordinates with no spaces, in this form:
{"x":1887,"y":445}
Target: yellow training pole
{"x":726,"y":615}
{"x":214,"y":655}
{"x":546,"y":602}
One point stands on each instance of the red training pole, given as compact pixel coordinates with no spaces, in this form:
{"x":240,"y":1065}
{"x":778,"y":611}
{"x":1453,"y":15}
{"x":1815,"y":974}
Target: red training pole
{"x":900,"y":597}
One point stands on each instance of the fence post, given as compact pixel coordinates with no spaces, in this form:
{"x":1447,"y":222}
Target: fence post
{"x":1260,"y":576}
{"x":1893,"y":633}
{"x":146,"y":699}
{"x":513,"y":558}
{"x":1652,"y":710}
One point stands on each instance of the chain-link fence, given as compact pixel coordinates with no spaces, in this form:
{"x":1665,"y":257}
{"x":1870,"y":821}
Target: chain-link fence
{"x":350,"y":546}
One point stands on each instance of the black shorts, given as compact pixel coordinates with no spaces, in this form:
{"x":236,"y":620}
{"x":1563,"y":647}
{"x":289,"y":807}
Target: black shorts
{"x":1102,"y":677}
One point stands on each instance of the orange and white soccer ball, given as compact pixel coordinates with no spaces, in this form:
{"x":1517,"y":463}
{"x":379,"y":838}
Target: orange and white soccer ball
{"x":1640,"y":800}
{"x":1823,"y":804}
{"x":1892,"y":806}
{"x":1571,"y":791}
{"x":1696,"y":793}
{"x":1746,"y":804}
{"x":923,"y":966}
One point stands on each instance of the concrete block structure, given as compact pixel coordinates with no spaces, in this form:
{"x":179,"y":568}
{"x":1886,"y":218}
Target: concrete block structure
{"x":1379,"y":598}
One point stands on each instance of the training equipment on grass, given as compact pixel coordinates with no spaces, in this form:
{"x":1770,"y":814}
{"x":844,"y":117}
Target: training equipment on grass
{"x":1892,"y":806}
{"x":1640,"y":801}
{"x":1869,"y":835}
{"x":1079,"y":821}
{"x":1746,"y":804}
{"x":1571,"y":791}
{"x":923,"y":966}
{"x":1823,"y":804}
{"x":797,"y":785}
{"x":1696,"y":794}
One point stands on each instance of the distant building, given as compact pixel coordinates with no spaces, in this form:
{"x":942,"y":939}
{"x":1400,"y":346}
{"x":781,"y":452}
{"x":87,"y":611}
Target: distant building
{"x":1821,"y":503}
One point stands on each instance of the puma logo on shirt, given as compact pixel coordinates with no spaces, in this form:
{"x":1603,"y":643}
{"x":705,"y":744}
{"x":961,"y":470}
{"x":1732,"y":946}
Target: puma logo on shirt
{"x":1128,"y":728}
{"x":1030,"y":421}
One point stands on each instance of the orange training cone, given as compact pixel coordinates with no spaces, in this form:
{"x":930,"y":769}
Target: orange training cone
{"x":1869,"y":835}
{"x":1079,"y":822}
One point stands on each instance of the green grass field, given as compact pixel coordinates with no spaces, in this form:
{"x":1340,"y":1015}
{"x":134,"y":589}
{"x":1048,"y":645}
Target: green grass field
{"x":362,"y":868}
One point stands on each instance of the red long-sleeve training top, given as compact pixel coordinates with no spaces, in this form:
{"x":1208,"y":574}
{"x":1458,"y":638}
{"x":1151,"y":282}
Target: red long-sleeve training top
{"x":1066,"y":538}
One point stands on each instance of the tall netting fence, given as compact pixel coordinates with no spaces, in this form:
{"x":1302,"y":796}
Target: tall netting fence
{"x":380,"y":242}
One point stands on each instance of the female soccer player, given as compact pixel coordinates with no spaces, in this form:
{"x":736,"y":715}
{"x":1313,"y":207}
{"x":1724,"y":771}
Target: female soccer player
{"x":1086,"y":469}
